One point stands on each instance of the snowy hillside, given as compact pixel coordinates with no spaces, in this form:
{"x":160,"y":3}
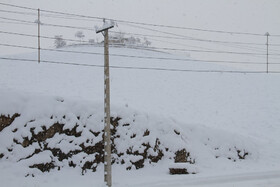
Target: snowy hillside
{"x":228,"y":124}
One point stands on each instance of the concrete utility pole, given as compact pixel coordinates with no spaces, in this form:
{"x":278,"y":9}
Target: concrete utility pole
{"x":107,"y":131}
{"x":39,"y":56}
{"x":267,"y":35}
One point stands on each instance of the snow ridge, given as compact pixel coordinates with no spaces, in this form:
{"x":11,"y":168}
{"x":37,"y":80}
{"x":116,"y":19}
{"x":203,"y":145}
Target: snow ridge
{"x":71,"y":135}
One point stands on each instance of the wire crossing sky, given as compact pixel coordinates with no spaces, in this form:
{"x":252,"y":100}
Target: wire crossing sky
{"x":206,"y":31}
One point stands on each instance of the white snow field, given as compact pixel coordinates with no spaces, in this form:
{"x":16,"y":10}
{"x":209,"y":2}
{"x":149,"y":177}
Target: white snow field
{"x":219,"y":117}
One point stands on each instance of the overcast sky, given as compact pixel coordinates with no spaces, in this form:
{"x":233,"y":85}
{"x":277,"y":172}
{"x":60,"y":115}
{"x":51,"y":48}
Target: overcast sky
{"x":253,"y":16}
{"x":240,"y":15}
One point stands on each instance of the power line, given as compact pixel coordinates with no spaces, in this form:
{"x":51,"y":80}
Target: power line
{"x":53,"y":12}
{"x":196,"y":29}
{"x":182,"y":37}
{"x":91,"y":29}
{"x":142,"y":47}
{"x":140,"y":68}
{"x":17,"y":6}
{"x":225,"y":44}
{"x":180,"y":44}
{"x":193,"y":50}
{"x":133,"y":46}
{"x":17,"y":23}
{"x":22,"y":21}
{"x":18,"y":12}
{"x":141,"y":23}
{"x":156,"y":25}
{"x":47,"y":24}
{"x":46,"y":37}
{"x":47,"y":15}
{"x":139,"y":57}
{"x":136,"y":34}
{"x":275,"y":35}
{"x":274,"y":44}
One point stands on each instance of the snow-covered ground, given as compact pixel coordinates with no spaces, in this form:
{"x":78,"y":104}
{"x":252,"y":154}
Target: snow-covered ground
{"x":211,"y":110}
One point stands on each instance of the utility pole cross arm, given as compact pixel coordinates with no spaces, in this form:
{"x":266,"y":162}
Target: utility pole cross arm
{"x":107,"y":27}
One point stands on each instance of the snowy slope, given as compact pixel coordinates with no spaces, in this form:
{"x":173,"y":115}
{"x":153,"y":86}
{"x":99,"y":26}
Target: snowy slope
{"x":245,"y":101}
{"x":211,"y":110}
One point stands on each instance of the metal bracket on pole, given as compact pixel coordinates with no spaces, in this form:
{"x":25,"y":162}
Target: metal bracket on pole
{"x":107,"y":130}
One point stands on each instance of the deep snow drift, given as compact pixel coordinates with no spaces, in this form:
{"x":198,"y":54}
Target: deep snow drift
{"x":218,"y":116}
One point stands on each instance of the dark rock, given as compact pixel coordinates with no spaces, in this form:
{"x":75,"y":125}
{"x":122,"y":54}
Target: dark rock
{"x":71,"y":164}
{"x":177,"y":132}
{"x":178,"y":171}
{"x":146,"y":133}
{"x":182,"y":156}
{"x":139,"y":164}
{"x":88,"y":165}
{"x":241,"y":155}
{"x":43,"y":167}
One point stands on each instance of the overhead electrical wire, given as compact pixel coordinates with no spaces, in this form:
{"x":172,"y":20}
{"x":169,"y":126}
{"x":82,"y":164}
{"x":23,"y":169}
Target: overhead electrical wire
{"x":240,"y":45}
{"x":181,"y":36}
{"x":139,"y":68}
{"x":154,"y":30}
{"x":17,"y":23}
{"x":56,"y":14}
{"x":47,"y":15}
{"x":48,"y":24}
{"x":136,"y":34}
{"x":135,"y":46}
{"x":135,"y":56}
{"x":46,"y":37}
{"x":141,"y":23}
{"x":18,"y":12}
{"x":19,"y":20}
{"x":187,"y":37}
{"x":204,"y":48}
{"x":194,"y":50}
{"x":141,"y":47}
{"x":92,"y":29}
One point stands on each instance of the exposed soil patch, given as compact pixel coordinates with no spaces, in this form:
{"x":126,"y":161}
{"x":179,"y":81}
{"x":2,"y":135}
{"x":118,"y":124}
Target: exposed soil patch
{"x":5,"y":121}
